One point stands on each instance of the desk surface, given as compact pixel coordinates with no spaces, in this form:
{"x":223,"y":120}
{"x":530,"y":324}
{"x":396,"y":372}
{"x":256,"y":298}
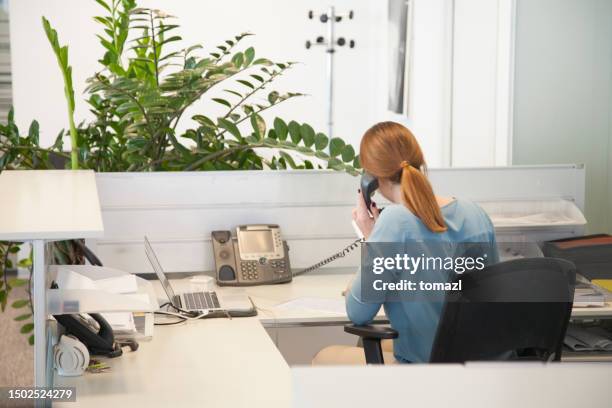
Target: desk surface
{"x":213,"y":362}
{"x":219,"y":362}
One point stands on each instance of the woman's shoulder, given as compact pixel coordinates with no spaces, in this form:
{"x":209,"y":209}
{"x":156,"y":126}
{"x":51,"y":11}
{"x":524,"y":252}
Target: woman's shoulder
{"x":466,"y":205}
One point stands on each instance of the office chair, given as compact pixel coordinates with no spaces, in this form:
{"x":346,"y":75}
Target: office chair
{"x":518,"y":308}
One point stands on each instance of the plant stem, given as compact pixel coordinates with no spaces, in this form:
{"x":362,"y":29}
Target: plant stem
{"x":6,"y":255}
{"x":154,"y":44}
{"x":61,"y":54}
{"x":190,"y":102}
{"x":38,"y":149}
{"x":219,"y":154}
{"x":115,"y":41}
{"x":251,"y":93}
{"x":248,"y":116}
{"x":74,"y":149}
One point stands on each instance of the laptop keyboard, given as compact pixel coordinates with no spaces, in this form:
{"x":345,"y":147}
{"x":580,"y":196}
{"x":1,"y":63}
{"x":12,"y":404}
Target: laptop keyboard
{"x":201,"y":300}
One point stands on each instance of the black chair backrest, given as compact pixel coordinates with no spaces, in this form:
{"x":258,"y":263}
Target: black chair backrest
{"x":518,"y":308}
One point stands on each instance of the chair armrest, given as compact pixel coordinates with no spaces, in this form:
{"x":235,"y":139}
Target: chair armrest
{"x":371,"y":336}
{"x":371,"y":332}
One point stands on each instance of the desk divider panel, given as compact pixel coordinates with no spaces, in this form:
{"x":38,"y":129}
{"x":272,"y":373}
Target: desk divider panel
{"x":178,"y":210}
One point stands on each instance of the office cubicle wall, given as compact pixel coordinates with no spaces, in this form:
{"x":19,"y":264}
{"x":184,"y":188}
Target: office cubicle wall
{"x":474,"y":385}
{"x":177,"y":211}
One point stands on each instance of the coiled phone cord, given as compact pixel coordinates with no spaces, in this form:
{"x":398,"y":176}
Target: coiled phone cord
{"x":337,"y":255}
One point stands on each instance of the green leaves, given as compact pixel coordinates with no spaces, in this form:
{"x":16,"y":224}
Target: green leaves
{"x":281,"y":129}
{"x":249,"y":56}
{"x":308,"y":134}
{"x":295,"y":131}
{"x":18,"y":304}
{"x":23,"y":317}
{"x":61,"y":54}
{"x":230,"y":127}
{"x":259,"y":126}
{"x":321,"y":141}
{"x":335,"y":146}
{"x":27,"y":328}
{"x":141,"y":95}
{"x":348,"y":153}
{"x":222,"y":102}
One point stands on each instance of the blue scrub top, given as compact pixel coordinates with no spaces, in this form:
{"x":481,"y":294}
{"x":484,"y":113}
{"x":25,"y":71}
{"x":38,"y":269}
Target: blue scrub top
{"x":417,"y":321}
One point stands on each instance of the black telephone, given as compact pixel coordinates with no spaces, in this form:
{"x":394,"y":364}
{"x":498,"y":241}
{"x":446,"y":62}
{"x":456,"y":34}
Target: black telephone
{"x":257,"y":255}
{"x":369,"y":185}
{"x":92,"y":329}
{"x":94,"y":332}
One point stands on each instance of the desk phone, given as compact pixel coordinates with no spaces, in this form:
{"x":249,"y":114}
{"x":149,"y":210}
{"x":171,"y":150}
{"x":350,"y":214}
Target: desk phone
{"x":257,"y":255}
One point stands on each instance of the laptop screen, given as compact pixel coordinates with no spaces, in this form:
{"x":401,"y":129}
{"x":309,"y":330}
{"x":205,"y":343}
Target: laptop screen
{"x":159,"y":271}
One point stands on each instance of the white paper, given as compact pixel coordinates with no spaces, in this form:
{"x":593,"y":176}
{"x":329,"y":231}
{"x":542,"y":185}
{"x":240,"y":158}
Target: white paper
{"x":123,"y":321}
{"x":67,"y":279}
{"x":141,"y":297}
{"x":118,"y":284}
{"x":335,"y":306}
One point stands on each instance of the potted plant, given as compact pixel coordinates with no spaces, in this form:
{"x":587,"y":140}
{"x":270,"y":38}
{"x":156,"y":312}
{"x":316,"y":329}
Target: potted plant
{"x":139,"y":97}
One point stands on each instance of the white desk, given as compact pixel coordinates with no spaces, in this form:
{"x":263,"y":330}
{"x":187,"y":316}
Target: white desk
{"x":214,"y":362}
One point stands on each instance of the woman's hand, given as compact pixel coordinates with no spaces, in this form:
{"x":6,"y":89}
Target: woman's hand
{"x":362,"y":217}
{"x":348,"y":287}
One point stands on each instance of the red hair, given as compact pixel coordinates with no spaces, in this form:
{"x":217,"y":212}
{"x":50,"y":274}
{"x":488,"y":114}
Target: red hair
{"x":390,"y":151}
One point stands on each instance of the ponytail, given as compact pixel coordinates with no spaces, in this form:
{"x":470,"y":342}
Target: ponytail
{"x":420,"y":199}
{"x":390,"y":151}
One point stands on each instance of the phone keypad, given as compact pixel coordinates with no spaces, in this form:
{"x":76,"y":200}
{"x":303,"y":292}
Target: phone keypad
{"x":248,"y":270}
{"x":252,"y":270}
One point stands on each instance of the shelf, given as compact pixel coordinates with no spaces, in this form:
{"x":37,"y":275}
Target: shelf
{"x":586,"y":356}
{"x":593,"y":312}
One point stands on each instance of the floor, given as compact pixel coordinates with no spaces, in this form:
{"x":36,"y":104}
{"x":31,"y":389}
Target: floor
{"x":16,"y":355}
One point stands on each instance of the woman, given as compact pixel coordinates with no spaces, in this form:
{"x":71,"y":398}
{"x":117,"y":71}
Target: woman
{"x":391,"y":153}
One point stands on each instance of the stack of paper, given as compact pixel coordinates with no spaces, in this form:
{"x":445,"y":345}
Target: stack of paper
{"x":588,"y":295}
{"x":95,"y":289}
{"x":69,"y":279}
{"x":121,"y":322}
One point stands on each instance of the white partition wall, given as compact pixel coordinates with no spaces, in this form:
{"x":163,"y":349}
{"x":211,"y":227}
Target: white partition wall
{"x":177,"y":211}
{"x":473,"y":385}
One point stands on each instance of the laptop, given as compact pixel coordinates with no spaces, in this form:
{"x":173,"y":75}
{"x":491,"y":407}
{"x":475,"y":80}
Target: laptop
{"x":199,"y":302}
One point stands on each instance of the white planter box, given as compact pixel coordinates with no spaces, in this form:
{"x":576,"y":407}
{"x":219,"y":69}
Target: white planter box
{"x":178,"y":210}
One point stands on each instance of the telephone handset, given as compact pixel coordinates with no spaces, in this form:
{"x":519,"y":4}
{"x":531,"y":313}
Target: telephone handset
{"x":93,"y":331}
{"x":368,"y":186}
{"x":257,"y":255}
